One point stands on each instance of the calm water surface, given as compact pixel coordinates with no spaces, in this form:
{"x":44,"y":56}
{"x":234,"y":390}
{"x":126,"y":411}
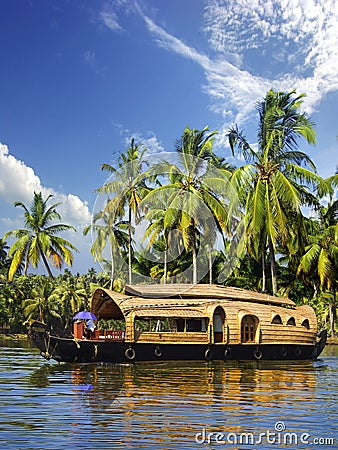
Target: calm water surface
{"x":45,"y":405}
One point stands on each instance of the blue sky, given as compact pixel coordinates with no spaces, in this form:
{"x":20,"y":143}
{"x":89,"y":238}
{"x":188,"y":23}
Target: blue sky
{"x":79,"y":79}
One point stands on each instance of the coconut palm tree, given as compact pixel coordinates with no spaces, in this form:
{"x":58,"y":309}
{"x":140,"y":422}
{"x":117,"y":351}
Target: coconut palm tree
{"x":128,"y":188}
{"x":38,"y":240}
{"x":5,"y":262}
{"x":156,"y":232}
{"x":71,"y":296}
{"x":272,"y":185}
{"x":191,"y":196}
{"x":107,"y":229}
{"x":198,"y":143}
{"x":39,"y":305}
{"x":195,"y":194}
{"x":321,"y":254}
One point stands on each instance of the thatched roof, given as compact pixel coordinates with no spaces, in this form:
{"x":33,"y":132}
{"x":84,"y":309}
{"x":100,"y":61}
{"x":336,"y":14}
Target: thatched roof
{"x":206,"y":291}
{"x":172,"y":300}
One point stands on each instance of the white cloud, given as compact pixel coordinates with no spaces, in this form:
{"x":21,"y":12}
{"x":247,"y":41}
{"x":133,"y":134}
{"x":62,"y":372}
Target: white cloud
{"x":89,"y":56}
{"x":18,"y":182}
{"x":110,"y":20}
{"x":295,"y":42}
{"x":109,"y":14}
{"x":303,"y":31}
{"x":226,"y":84}
{"x":147,"y":140}
{"x":300,"y":35}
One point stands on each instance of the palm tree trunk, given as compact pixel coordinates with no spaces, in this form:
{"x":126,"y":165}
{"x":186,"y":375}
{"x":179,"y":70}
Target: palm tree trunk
{"x":194,"y":262}
{"x":210,"y":264}
{"x":332,"y":309}
{"x":112,"y":266}
{"x":273,"y":267}
{"x":129,"y":244}
{"x":331,"y":319}
{"x":264,"y":269}
{"x":165,"y":269}
{"x":44,"y":259}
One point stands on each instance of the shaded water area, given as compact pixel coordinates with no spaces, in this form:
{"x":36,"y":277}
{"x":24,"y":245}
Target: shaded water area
{"x":238,"y":405}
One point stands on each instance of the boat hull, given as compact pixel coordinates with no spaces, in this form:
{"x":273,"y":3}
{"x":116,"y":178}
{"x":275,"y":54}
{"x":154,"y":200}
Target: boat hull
{"x":89,"y":351}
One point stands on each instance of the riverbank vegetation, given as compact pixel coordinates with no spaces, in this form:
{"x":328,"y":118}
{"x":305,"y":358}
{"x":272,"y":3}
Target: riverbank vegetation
{"x":272,"y":214}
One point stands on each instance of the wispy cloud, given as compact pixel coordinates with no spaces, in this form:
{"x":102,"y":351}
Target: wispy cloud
{"x":89,"y":56}
{"x":110,"y":20}
{"x":299,"y":35}
{"x":297,"y":40}
{"x":233,"y":91}
{"x":109,"y":13}
{"x":147,"y":140}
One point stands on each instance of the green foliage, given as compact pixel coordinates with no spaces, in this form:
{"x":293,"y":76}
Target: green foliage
{"x":39,"y":239}
{"x":189,"y":208}
{"x":53,"y":301}
{"x":271,"y":184}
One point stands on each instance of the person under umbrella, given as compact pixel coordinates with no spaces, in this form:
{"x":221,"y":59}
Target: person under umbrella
{"x":90,"y":327}
{"x":88,"y":318}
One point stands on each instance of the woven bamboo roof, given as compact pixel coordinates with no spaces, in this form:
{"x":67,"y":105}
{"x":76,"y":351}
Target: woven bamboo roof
{"x":206,"y":291}
{"x":172,"y":300}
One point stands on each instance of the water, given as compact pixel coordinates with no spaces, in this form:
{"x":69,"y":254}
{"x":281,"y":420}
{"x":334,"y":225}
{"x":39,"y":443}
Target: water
{"x":45,"y":405}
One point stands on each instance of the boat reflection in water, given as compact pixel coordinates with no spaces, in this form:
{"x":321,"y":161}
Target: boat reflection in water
{"x":174,"y":402}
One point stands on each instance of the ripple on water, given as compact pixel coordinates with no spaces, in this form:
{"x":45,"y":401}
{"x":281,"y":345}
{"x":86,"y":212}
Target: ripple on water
{"x":47,"y":405}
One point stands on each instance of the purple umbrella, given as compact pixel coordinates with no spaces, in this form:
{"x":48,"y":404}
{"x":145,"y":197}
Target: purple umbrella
{"x":84,"y":315}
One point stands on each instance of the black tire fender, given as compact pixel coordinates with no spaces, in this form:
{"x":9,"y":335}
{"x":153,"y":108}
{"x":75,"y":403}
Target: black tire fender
{"x":157,"y":351}
{"x":257,"y":354}
{"x":130,"y":353}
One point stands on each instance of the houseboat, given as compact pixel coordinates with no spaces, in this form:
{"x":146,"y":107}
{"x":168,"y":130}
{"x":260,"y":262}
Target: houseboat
{"x":188,"y":322}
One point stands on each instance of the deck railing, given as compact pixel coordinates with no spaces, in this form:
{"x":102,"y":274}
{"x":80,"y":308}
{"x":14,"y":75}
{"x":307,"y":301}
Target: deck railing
{"x":114,"y":335}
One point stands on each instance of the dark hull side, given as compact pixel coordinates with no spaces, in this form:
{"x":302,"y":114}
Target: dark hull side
{"x":89,"y":351}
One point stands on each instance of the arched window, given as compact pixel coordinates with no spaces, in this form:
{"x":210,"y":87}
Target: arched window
{"x":306,"y":324}
{"x":218,"y":324}
{"x":248,"y":328}
{"x":291,"y":321}
{"x":277,"y":319}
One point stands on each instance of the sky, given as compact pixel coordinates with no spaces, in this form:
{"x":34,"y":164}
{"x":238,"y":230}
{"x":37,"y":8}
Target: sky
{"x":80,"y":78}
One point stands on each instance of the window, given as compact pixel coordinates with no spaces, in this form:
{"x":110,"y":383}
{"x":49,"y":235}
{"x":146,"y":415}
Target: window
{"x":291,"y":321}
{"x":142,"y":324}
{"x":277,"y":319}
{"x":152,"y":325}
{"x":248,"y":328}
{"x":160,"y":325}
{"x":306,"y":324}
{"x":194,"y":325}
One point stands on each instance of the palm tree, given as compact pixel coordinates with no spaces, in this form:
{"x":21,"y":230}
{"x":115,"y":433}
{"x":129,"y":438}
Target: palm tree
{"x":39,"y":305}
{"x":128,"y":187}
{"x":194,"y":196}
{"x":191,"y":196}
{"x":5,"y":262}
{"x":116,"y":233}
{"x":198,"y":143}
{"x":156,"y":232}
{"x":321,"y":254}
{"x":71,"y":295}
{"x":38,"y":240}
{"x":271,"y":184}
